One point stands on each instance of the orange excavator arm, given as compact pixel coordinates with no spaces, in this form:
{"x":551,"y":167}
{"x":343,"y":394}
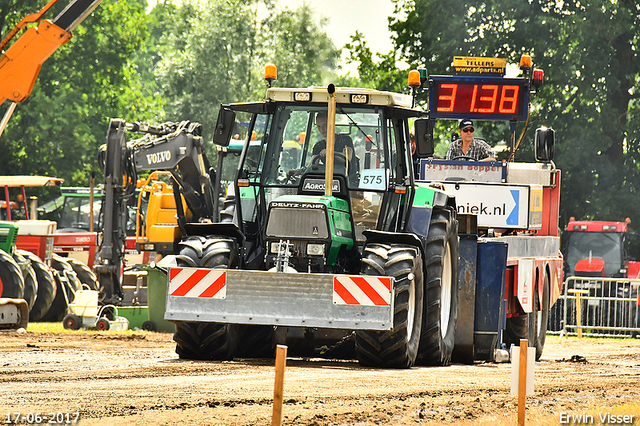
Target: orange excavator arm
{"x":21,"y":62}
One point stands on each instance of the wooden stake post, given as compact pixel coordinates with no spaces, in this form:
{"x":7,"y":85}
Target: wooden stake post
{"x":578,"y":293}
{"x":522,"y":381}
{"x":281,"y":361}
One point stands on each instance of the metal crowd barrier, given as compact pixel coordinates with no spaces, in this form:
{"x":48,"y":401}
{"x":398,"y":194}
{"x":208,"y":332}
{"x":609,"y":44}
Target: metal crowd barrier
{"x":597,"y":307}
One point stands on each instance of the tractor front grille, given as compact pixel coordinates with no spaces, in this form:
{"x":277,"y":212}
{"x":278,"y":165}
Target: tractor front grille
{"x":297,"y":223}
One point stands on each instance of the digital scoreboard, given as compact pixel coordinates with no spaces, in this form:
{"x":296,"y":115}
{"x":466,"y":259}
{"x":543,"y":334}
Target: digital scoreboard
{"x":478,"y":97}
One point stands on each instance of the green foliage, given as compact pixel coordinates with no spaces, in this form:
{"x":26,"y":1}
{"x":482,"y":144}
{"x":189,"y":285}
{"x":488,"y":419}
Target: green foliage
{"x":220,"y":54}
{"x":382,"y":75}
{"x":174,"y":62}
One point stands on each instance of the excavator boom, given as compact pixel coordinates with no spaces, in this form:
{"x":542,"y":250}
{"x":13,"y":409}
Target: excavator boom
{"x":173,"y":147}
{"x":21,"y":62}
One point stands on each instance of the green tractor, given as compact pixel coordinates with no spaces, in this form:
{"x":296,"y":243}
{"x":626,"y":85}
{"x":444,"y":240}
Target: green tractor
{"x":326,"y":242}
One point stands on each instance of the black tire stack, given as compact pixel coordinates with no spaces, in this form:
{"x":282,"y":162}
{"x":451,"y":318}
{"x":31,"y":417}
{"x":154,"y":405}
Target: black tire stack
{"x":46,"y":291}
{"x":67,"y":284}
{"x":11,"y":280}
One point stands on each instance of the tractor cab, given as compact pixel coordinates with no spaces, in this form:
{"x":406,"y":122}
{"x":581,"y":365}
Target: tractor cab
{"x":595,"y":248}
{"x":283,"y":199}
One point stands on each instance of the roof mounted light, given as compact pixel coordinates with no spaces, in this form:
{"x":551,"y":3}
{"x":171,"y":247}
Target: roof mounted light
{"x":538,"y":76}
{"x":414,"y":78}
{"x":359,"y":98}
{"x":302,"y":96}
{"x":270,"y":74}
{"x":423,"y":75}
{"x":415,"y":83}
{"x":525,"y":62}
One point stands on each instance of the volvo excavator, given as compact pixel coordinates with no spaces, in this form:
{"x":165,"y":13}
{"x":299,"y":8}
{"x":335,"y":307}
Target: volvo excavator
{"x":174,"y":147}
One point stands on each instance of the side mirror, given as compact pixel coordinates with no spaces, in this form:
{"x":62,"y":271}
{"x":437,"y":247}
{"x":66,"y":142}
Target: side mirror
{"x":224,"y":127}
{"x":544,"y":144}
{"x":423,"y":131}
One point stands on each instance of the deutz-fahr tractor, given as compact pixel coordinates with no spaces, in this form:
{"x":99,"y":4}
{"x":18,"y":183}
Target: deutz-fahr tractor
{"x":326,"y":244}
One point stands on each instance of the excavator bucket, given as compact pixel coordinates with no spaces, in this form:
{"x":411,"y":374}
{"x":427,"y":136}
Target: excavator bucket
{"x":14,"y":313}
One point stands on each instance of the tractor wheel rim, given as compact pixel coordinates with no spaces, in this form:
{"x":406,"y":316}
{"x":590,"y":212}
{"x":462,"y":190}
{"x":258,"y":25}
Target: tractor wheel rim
{"x":411,"y":309}
{"x":539,"y":324}
{"x":445,"y":291}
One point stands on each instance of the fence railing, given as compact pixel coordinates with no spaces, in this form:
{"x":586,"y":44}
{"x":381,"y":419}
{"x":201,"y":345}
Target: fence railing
{"x":597,"y":307}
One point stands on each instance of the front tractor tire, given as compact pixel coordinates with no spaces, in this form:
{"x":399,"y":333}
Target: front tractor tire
{"x":441,"y":298}
{"x":199,"y":340}
{"x":396,"y":348}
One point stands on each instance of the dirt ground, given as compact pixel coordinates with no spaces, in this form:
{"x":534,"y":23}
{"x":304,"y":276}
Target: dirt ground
{"x":135,"y":378}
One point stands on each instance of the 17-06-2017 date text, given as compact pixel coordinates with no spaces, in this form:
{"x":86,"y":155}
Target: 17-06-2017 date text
{"x":33,"y":418}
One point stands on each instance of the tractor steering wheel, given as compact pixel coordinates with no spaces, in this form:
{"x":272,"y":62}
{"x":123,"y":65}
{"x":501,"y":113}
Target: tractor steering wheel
{"x":464,"y":157}
{"x":338,"y":157}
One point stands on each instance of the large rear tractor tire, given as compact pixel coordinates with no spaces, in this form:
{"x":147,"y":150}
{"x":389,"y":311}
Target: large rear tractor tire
{"x":441,"y":298}
{"x":67,"y":284}
{"x":47,"y":289}
{"x":199,"y":340}
{"x":532,"y":326}
{"x":256,"y":341}
{"x":539,"y":318}
{"x":84,"y":273}
{"x":396,"y":348}
{"x":11,"y":281}
{"x":29,"y":277}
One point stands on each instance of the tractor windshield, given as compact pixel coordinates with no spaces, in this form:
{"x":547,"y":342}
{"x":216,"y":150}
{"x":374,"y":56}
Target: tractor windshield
{"x":585,"y":245}
{"x":298,"y":146}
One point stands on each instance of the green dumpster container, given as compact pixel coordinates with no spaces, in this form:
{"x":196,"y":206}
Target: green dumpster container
{"x":157,"y":298}
{"x":137,"y":315}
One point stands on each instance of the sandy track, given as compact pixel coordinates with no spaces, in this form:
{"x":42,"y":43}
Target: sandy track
{"x":137,"y":379}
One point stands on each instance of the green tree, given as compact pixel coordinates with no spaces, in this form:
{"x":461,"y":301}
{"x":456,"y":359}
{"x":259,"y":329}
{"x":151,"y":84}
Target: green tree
{"x":380,"y":75}
{"x":220,"y":55}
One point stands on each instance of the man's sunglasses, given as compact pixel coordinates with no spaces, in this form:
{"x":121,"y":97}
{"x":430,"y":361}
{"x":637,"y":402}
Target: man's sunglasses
{"x":468,"y":130}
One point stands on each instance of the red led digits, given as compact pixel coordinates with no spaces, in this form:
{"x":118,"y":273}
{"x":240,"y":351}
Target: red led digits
{"x":505,"y":99}
{"x":491,"y":99}
{"x":473,"y":98}
{"x":451,"y":98}
{"x":469,"y":98}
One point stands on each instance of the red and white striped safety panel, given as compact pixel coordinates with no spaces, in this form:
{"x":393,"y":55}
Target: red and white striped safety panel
{"x":361,"y":290}
{"x":193,"y":282}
